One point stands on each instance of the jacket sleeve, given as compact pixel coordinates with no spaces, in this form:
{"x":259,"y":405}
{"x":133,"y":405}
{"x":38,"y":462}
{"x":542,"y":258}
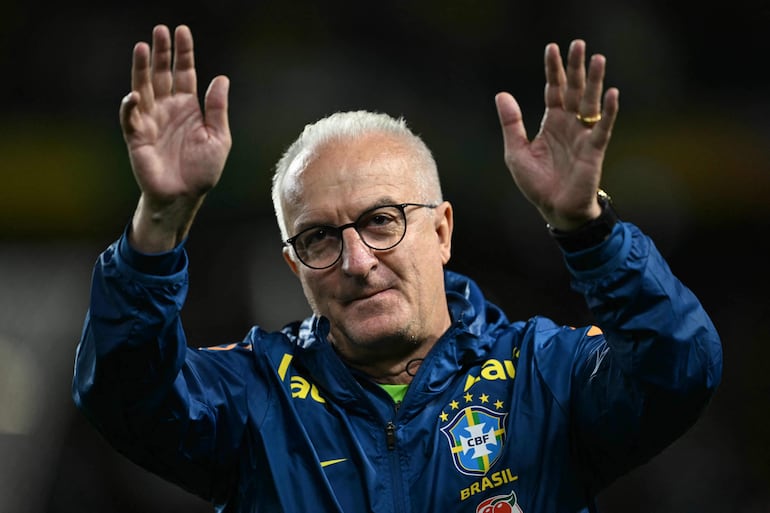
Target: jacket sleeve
{"x":139,"y":384}
{"x":646,"y":378}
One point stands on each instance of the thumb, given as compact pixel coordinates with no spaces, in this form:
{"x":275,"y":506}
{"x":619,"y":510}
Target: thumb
{"x":215,"y":105}
{"x":511,"y":122}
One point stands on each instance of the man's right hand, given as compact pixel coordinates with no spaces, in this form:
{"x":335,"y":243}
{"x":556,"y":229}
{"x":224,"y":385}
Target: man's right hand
{"x":177,"y":152}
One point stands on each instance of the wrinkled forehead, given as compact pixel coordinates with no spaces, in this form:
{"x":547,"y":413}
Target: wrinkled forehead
{"x":346,"y":167}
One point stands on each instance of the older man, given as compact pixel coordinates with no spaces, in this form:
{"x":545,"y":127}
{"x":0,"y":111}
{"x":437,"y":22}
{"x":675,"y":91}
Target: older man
{"x":405,"y":390}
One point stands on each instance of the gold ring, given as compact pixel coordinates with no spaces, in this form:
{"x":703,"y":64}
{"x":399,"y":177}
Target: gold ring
{"x":589,"y":121}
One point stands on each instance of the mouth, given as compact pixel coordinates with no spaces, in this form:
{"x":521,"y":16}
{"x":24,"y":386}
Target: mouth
{"x":365,"y":296}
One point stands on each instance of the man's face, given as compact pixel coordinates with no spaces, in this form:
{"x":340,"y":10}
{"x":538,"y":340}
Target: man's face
{"x":378,"y":302}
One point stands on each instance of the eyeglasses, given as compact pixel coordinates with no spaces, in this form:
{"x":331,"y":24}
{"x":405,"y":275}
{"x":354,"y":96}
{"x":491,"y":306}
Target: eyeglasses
{"x":380,"y":228}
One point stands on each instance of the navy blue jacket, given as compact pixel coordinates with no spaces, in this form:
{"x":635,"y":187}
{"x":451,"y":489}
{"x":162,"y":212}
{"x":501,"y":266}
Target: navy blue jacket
{"x":502,"y":416}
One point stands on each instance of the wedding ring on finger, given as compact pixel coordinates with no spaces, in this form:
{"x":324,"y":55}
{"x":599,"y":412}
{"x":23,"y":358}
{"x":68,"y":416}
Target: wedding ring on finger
{"x":589,"y":121}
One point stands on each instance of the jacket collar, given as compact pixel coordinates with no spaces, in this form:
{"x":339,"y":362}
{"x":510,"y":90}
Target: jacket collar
{"x":467,"y":341}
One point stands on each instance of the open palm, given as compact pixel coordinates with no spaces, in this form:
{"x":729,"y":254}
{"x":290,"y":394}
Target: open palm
{"x":560,"y":169}
{"x":177,"y":151}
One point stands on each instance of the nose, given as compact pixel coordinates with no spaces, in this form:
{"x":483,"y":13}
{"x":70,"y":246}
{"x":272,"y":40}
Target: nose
{"x":357,"y":258}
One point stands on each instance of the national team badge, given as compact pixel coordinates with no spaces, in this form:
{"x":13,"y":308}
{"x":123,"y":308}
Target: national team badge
{"x":476,"y":436}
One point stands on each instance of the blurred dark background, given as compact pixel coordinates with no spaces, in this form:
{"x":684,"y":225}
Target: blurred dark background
{"x":689,"y":162}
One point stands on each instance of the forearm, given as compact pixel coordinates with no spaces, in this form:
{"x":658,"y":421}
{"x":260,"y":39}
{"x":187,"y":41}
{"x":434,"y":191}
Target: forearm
{"x":655,"y":326}
{"x":132,"y":338}
{"x":647,"y":379}
{"x":139,"y":384}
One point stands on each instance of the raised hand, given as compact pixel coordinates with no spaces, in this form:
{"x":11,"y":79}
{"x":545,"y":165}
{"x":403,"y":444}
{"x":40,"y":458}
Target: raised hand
{"x":559,"y":171}
{"x":177,"y":152}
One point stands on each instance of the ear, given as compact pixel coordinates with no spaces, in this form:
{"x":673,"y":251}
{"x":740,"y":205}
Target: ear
{"x":444,"y":227}
{"x":288,"y":256}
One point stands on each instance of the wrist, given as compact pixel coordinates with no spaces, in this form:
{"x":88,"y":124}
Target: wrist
{"x":593,"y":232}
{"x":155,"y":230}
{"x":158,"y":264}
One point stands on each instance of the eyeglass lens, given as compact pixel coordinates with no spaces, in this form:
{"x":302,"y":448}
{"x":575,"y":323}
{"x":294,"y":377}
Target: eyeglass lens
{"x":379,"y":228}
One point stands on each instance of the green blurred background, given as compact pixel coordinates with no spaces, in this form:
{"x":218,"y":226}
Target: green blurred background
{"x":689,"y":163}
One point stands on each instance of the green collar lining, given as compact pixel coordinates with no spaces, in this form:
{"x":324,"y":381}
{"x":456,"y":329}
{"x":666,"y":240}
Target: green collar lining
{"x":396,"y":392}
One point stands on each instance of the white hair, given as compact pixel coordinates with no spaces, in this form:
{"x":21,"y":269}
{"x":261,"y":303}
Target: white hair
{"x":352,"y":125}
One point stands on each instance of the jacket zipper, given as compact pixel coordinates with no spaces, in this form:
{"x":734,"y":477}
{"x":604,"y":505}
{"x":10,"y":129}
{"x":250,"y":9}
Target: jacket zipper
{"x":390,"y":430}
{"x":390,"y":435}
{"x":395,"y":467}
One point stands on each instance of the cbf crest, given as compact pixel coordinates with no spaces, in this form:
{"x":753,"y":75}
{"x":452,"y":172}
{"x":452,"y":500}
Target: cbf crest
{"x":476,"y":437}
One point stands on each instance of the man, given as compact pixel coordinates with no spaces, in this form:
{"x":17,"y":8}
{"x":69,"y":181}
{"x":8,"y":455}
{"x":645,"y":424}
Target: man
{"x":406,"y":390}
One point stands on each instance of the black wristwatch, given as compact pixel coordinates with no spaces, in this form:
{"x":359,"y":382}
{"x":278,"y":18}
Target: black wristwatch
{"x":593,"y":232}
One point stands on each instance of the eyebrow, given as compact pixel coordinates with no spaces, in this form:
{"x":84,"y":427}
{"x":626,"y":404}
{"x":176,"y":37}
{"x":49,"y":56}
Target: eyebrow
{"x":381,"y":202}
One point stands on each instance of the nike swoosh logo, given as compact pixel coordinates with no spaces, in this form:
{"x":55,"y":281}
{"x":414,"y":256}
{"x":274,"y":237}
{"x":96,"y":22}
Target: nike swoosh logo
{"x":332,"y":462}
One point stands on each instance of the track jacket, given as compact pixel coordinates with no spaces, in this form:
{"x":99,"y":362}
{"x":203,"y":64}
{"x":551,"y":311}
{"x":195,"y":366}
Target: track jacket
{"x":502,"y":417}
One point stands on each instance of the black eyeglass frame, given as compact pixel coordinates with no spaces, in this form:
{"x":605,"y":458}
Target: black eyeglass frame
{"x":339,"y":229}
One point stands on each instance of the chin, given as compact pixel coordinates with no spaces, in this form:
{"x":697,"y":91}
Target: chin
{"x":372,"y":334}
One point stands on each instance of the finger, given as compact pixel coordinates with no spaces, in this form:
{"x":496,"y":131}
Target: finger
{"x":140,"y":76}
{"x":576,"y":75}
{"x":127,"y":108}
{"x":184,"y":61}
{"x":512,"y":124}
{"x":590,"y":104}
{"x":215,"y":105}
{"x":161,"y":61}
{"x":555,"y":79}
{"x":602,"y":131}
